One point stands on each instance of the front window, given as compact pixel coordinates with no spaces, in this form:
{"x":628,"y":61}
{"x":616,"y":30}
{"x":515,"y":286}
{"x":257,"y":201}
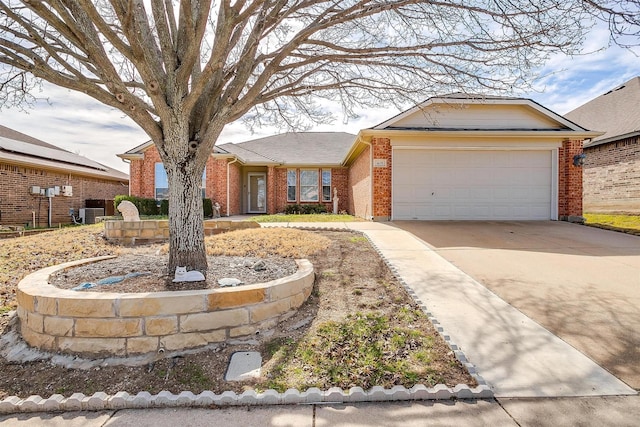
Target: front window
{"x":326,"y":185}
{"x":309,"y":186}
{"x":162,"y":183}
{"x":291,"y":185}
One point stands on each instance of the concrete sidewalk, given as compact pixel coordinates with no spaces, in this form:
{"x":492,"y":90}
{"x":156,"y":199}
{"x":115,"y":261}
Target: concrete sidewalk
{"x":515,"y":356}
{"x":593,"y":411}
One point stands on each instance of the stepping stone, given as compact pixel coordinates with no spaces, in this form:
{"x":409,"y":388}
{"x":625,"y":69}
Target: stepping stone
{"x":243,"y":366}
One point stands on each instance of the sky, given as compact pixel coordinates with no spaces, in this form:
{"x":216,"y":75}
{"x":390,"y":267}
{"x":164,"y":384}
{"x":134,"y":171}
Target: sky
{"x":77,"y":123}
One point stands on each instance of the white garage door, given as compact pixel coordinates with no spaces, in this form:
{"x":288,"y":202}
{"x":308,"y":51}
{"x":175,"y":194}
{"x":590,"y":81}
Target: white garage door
{"x":471,"y":185}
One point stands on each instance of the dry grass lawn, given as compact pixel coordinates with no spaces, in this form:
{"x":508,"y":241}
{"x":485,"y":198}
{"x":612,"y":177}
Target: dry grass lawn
{"x":359,"y":327}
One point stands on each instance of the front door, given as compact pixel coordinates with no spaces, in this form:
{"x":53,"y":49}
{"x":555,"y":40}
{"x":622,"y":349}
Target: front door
{"x":257,"y":192}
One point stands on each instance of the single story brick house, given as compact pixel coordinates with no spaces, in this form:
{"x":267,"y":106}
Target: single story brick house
{"x":456,"y":157}
{"x":612,"y":162}
{"x":29,"y":167}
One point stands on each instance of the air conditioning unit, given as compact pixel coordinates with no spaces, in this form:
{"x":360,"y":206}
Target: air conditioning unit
{"x":89,"y":215}
{"x":67,"y":190}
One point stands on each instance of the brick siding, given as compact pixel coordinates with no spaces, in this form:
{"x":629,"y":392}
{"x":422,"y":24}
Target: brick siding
{"x":382,"y":179}
{"x":360,"y":185}
{"x":612,"y":177}
{"x":17,"y":205}
{"x":569,"y":181}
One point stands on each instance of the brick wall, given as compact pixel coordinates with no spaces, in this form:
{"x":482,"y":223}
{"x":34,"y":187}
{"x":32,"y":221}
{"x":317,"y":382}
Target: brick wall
{"x":142,"y":175}
{"x":17,"y":205}
{"x":611,"y":176}
{"x":272,"y":190}
{"x":280,"y":189}
{"x":360,"y":185}
{"x":235,"y":186}
{"x":569,"y":181}
{"x":382,"y":179}
{"x":216,"y":182}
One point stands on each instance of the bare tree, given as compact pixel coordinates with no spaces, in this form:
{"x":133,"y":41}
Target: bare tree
{"x":184,"y":69}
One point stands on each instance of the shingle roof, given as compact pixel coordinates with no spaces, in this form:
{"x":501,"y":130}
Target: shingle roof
{"x":617,"y":113}
{"x":304,"y":148}
{"x":18,"y":148}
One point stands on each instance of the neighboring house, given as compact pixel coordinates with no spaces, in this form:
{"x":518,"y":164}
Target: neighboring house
{"x":455,"y":157}
{"x":612,"y":163}
{"x":28,"y":167}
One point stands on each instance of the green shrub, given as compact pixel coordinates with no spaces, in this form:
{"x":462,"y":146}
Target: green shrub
{"x":145,"y":206}
{"x":164,"y":207}
{"x":150,"y":206}
{"x":207,"y":208}
{"x":305,"y":209}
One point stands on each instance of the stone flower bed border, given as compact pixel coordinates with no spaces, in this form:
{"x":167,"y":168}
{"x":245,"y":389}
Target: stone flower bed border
{"x":123,"y":400}
{"x":97,"y":324}
{"x":152,"y":231}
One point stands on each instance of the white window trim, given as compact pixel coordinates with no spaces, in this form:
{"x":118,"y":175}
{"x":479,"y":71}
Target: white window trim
{"x":295,"y":199}
{"x":322,"y":171}
{"x":317,"y":186}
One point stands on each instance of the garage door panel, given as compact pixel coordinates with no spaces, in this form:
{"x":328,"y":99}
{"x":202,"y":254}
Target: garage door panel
{"x":472,"y":184}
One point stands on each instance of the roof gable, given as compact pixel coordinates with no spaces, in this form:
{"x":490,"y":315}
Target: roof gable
{"x":616,"y":113}
{"x":467,"y":112}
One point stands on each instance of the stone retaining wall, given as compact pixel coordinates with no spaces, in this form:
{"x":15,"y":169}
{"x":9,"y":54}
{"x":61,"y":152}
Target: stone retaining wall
{"x":98,"y":324}
{"x":152,"y":231}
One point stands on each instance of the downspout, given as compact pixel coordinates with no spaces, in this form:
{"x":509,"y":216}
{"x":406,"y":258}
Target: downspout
{"x":228,"y":187}
{"x":129,"y":163}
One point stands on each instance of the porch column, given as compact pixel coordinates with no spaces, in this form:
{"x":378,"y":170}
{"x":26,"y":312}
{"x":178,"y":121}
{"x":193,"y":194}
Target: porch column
{"x":271,"y":190}
{"x":381,"y":179}
{"x":570,"y":182}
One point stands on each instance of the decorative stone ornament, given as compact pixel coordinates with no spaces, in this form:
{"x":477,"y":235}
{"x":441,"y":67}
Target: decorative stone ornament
{"x":182,"y":275}
{"x":229,"y":281}
{"x":129,"y":211}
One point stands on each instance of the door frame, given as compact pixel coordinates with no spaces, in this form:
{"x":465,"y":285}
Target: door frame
{"x":249,"y":191}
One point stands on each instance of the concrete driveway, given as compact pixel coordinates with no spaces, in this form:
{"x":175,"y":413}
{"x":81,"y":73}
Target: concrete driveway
{"x":580,"y":283}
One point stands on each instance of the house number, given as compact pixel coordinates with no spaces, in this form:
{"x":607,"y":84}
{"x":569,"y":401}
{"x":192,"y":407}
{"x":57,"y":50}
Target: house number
{"x":379,"y":163}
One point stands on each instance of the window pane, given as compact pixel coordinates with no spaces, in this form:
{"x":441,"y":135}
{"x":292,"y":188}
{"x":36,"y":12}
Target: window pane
{"x":326,"y":177}
{"x":309,"y":178}
{"x":326,"y":185}
{"x":291,"y":177}
{"x":309,"y":186}
{"x":204,"y":183}
{"x":309,"y":193}
{"x":326,"y":193}
{"x":291,"y":194}
{"x":161,"y":182}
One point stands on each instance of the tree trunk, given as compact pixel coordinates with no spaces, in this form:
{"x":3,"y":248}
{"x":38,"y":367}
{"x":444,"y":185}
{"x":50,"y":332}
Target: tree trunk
{"x":186,"y":227}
